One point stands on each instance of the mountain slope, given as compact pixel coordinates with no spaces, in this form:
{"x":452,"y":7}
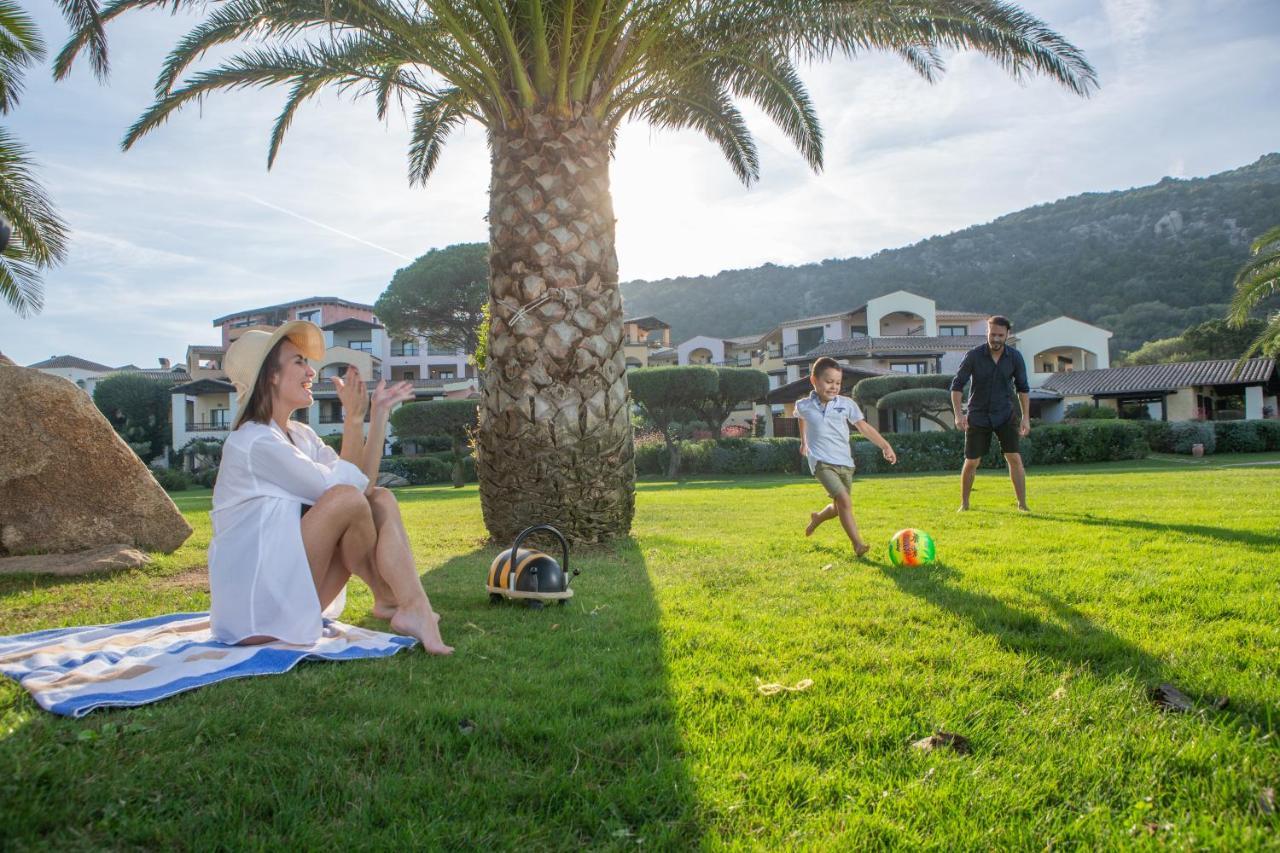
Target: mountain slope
{"x":1144,"y":263}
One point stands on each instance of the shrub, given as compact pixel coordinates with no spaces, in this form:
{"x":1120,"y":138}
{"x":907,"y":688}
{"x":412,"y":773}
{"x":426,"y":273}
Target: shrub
{"x":432,"y":468}
{"x":1270,"y":432}
{"x":205,"y":477}
{"x":1051,"y":444}
{"x":429,"y":443}
{"x":171,"y":479}
{"x":940,"y":450}
{"x":725,"y":456}
{"x":1239,"y":437}
{"x":1090,"y":412}
{"x":1159,"y":435}
{"x":1185,"y":434}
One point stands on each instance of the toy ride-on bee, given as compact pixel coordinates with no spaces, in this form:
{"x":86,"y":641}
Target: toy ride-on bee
{"x":531,"y":575}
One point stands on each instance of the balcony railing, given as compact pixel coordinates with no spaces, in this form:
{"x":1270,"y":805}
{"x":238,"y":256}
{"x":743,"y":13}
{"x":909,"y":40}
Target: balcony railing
{"x":207,"y":426}
{"x":735,"y":361}
{"x":791,"y":351}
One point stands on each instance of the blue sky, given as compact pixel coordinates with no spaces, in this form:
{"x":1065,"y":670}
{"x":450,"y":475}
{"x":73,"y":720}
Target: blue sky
{"x":190,"y":225}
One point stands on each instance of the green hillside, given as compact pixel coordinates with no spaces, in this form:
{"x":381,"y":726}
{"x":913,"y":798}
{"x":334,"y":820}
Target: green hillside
{"x":1145,"y":263}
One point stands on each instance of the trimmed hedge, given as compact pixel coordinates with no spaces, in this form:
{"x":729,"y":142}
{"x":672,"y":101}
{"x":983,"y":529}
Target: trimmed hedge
{"x":1239,"y":437}
{"x":1270,"y":432}
{"x":171,"y":479}
{"x":725,"y":456}
{"x":1101,"y":441}
{"x":1179,"y":436}
{"x":1048,"y":444}
{"x":431,"y":468}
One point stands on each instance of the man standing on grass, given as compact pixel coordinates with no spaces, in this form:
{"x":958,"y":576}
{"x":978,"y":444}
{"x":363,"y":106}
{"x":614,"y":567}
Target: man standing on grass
{"x":996,"y":370}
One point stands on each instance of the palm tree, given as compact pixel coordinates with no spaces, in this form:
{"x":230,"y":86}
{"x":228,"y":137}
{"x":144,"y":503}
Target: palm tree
{"x":32,"y":236}
{"x":551,"y":81}
{"x":1257,"y":280}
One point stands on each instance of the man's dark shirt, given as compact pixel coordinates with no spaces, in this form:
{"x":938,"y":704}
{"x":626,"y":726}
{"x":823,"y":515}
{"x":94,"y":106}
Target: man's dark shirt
{"x":991,"y":398}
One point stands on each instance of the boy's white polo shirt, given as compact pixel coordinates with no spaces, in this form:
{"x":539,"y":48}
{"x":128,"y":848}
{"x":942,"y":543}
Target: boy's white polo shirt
{"x":827,"y":428}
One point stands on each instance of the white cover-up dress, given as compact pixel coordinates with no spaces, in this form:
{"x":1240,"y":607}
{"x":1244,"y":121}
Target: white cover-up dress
{"x":259,"y":578}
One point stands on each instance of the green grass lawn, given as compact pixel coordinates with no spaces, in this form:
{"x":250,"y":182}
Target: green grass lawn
{"x":631,"y":718}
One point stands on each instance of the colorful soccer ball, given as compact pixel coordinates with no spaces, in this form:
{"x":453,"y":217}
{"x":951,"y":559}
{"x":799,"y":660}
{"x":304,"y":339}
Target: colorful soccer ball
{"x":911,"y":547}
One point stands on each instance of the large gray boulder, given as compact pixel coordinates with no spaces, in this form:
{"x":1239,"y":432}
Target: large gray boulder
{"x":67,"y":481}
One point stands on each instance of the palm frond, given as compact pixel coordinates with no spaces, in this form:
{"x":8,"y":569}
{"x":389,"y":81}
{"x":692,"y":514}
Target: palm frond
{"x":715,"y":117}
{"x":20,"y":47}
{"x":434,"y":119}
{"x":39,"y":238}
{"x":346,"y":63}
{"x":82,"y":17}
{"x":90,"y":31}
{"x":1258,"y":279}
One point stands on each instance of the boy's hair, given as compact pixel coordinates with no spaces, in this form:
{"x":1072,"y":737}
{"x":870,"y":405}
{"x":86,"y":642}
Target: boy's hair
{"x":824,"y":363}
{"x":1000,"y":320}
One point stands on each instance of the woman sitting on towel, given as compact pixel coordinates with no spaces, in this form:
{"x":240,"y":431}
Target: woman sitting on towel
{"x":292,"y":519}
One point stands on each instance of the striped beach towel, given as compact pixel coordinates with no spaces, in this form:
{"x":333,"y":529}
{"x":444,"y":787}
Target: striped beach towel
{"x":72,"y":671}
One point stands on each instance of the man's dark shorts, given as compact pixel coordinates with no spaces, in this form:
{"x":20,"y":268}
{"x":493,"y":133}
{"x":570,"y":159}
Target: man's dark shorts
{"x":977,"y":439}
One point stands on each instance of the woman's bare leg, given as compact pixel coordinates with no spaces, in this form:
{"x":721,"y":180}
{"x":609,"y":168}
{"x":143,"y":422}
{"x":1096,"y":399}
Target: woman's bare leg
{"x":340,"y":517}
{"x":393,"y":559}
{"x":360,"y":565}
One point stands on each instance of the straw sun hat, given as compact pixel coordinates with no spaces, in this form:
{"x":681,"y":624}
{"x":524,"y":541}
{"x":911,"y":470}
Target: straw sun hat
{"x":245,"y":356}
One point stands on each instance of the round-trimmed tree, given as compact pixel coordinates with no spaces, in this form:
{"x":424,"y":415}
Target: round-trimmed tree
{"x":455,"y":419}
{"x":735,"y":385}
{"x":925,"y":395}
{"x":670,"y":395}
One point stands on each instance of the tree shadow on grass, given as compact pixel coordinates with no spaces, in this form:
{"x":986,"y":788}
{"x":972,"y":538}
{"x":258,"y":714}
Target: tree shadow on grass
{"x":547,"y":729}
{"x":1223,"y":534}
{"x":1073,"y":639}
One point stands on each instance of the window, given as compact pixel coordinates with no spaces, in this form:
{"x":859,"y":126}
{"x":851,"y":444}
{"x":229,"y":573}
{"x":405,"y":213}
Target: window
{"x":404,"y":348}
{"x":437,"y":348}
{"x":952,"y":331}
{"x":312,"y":316}
{"x":362,"y":346}
{"x":220,"y":418}
{"x":443,"y":372}
{"x":809,"y":338}
{"x":910,"y":366}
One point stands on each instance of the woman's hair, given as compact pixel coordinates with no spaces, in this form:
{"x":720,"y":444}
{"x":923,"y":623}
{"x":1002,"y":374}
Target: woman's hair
{"x":258,"y":406}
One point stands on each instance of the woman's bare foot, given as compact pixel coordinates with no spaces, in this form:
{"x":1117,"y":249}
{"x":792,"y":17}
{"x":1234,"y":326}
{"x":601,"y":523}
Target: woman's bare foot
{"x":383,"y":610}
{"x":815,"y":518}
{"x":421,"y":623}
{"x":860,"y":549}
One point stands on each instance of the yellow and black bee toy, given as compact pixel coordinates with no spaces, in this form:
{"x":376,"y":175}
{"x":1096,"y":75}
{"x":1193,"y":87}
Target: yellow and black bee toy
{"x":536,"y":578}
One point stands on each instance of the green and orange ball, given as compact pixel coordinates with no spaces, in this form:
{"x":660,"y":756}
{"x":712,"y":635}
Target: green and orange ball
{"x":911,"y":547}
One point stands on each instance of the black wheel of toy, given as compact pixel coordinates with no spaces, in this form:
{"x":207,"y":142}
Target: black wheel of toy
{"x":495,"y":598}
{"x":534,"y":604}
{"x":563,"y":601}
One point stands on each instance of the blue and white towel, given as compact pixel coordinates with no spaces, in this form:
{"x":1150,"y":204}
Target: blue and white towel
{"x":72,"y":671}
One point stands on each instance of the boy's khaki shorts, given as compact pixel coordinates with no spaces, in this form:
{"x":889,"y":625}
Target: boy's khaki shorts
{"x":836,"y":479}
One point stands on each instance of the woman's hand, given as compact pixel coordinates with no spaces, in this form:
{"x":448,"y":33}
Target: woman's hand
{"x":352,"y":393}
{"x":385,"y":396}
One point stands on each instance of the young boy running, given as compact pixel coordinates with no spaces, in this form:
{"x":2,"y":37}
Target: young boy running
{"x":824,"y":439}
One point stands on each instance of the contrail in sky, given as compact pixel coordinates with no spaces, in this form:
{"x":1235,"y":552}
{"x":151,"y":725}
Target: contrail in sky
{"x":287,"y":212}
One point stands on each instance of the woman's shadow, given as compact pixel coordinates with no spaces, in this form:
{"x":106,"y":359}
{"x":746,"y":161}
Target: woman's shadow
{"x":1070,"y":637}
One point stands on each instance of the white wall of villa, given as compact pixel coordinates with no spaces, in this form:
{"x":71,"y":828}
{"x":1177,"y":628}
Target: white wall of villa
{"x":901,"y":313}
{"x":700,"y":350}
{"x":1062,"y":344}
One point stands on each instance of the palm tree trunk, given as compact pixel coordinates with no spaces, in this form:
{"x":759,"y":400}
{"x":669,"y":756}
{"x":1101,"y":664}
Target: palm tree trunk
{"x":555,"y":441}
